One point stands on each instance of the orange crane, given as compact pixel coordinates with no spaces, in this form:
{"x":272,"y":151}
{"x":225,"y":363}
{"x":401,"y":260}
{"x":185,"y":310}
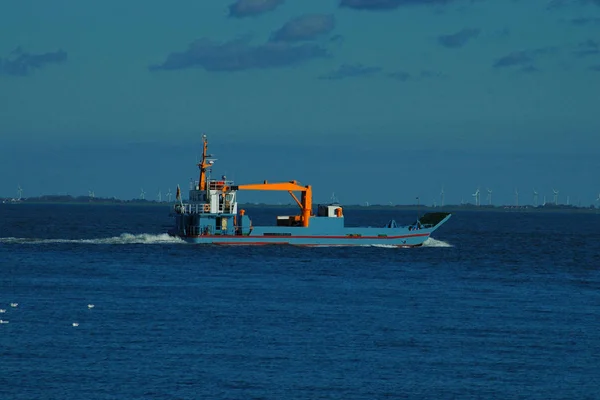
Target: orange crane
{"x":305,"y":202}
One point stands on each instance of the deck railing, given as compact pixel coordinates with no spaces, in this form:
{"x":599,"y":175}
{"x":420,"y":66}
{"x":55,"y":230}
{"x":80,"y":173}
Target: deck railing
{"x":205,"y":208}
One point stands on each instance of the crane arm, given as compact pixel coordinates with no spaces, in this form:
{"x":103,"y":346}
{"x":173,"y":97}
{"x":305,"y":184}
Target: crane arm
{"x":305,"y":203}
{"x":280,"y":186}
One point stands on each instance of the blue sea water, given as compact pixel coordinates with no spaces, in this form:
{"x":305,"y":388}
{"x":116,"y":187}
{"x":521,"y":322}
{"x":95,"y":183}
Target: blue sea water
{"x":497,"y":305}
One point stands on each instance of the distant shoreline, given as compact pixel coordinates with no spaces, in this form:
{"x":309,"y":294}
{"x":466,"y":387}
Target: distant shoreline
{"x":84,"y":200}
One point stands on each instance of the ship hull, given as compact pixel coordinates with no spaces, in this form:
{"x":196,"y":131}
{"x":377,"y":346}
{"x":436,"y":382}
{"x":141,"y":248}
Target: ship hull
{"x":388,"y":239}
{"x":323,"y":232}
{"x":305,"y":242}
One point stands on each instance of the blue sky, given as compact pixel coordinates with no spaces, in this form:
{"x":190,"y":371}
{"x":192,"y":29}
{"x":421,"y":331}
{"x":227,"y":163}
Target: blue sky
{"x":408,"y":95}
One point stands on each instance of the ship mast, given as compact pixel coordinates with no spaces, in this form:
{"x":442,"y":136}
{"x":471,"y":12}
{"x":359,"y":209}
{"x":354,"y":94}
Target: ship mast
{"x":203,"y":165}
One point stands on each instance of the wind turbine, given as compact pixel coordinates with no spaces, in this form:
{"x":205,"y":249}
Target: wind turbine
{"x":555,"y":196}
{"x":476,"y":195}
{"x":442,"y":196}
{"x":516,"y":197}
{"x":159,"y":196}
{"x":489,"y":196}
{"x":169,"y":194}
{"x":142,"y":194}
{"x":535,"y":198}
{"x":91,"y":194}
{"x":20,"y":192}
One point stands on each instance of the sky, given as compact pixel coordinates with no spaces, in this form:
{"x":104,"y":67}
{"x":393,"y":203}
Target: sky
{"x":377,"y":101}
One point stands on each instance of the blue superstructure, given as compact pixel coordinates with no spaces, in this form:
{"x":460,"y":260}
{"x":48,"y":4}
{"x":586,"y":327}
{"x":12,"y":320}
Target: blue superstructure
{"x":211,"y":217}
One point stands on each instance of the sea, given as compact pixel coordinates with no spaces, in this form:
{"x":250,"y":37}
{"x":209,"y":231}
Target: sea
{"x":97,"y":302}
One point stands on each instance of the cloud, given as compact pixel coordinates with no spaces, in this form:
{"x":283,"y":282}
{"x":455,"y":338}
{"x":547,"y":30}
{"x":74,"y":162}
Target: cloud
{"x":306,"y":27}
{"x":337,"y":39}
{"x":529,"y":69}
{"x":587,"y":48}
{"x":595,"y":68}
{"x":250,"y":8}
{"x":401,"y":76}
{"x":21,"y":63}
{"x":388,"y":4}
{"x":459,"y":38}
{"x":238,"y":55}
{"x":351,"y":71}
{"x":514,"y":58}
{"x":585,"y":21}
{"x":501,"y":33}
{"x":427,"y":74}
{"x":552,"y":4}
{"x":404,"y":76}
{"x":522,"y":58}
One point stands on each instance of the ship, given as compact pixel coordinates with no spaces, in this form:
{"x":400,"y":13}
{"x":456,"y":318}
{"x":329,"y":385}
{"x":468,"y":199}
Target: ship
{"x":211,"y":216}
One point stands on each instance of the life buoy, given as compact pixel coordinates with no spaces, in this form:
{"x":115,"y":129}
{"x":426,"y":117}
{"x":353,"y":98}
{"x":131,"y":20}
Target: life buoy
{"x":206,"y":207}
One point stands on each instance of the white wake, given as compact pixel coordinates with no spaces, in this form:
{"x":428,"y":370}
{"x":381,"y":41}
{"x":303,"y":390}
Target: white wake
{"x":124,"y":238}
{"x":431,"y":242}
